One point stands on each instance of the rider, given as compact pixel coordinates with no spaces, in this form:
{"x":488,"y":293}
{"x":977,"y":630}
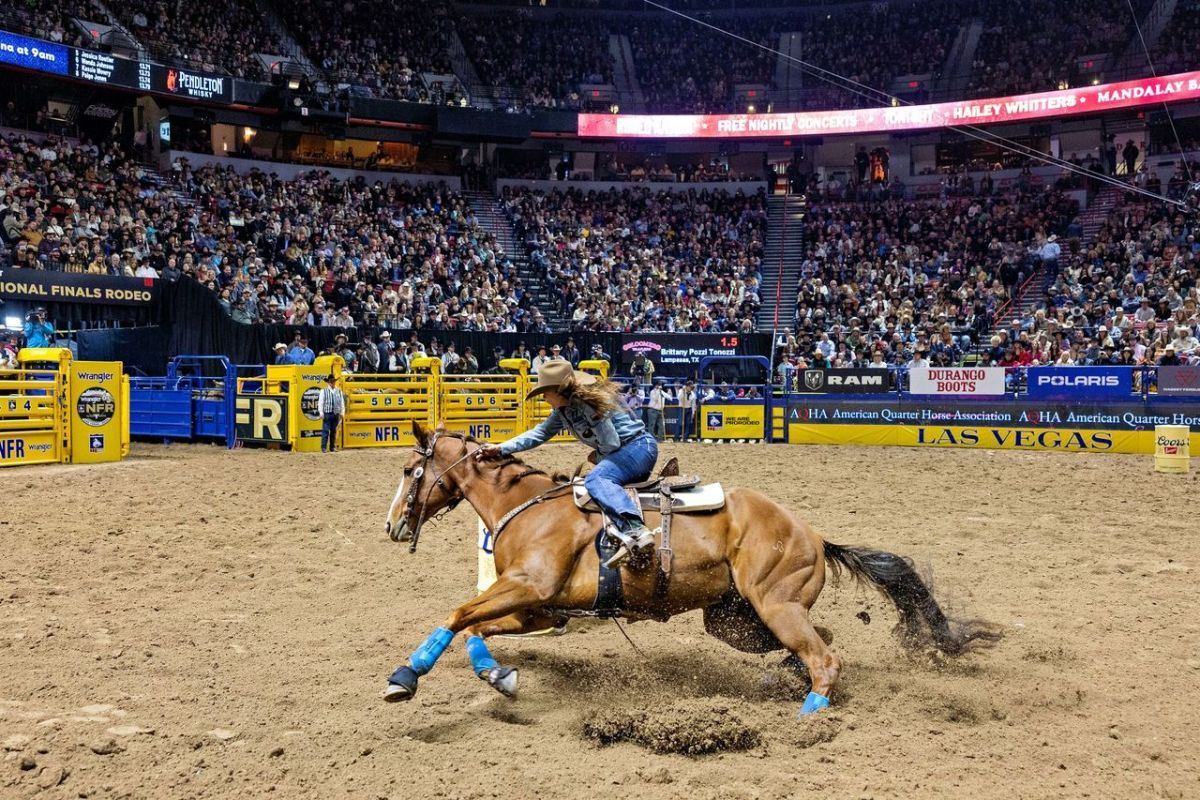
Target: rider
{"x":592,"y":411}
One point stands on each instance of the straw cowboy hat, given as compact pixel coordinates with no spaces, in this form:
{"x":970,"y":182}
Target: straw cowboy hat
{"x":554,"y":374}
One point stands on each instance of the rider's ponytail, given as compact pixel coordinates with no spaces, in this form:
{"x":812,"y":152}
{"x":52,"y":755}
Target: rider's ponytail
{"x":602,"y":396}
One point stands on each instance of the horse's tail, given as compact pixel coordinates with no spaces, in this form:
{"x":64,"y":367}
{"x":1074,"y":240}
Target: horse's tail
{"x":923,"y":623}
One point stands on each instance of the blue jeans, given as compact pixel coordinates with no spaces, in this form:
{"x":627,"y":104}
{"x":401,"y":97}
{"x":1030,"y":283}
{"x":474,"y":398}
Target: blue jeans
{"x":633,"y":462}
{"x":329,"y":426}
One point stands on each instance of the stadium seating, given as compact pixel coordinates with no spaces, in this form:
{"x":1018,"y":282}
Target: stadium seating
{"x":637,"y":259}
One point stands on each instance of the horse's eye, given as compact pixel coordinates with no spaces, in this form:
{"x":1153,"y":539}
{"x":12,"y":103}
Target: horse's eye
{"x":408,"y":470}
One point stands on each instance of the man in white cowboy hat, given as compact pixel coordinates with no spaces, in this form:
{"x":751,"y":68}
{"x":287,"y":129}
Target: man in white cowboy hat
{"x":1049,"y":254}
{"x":592,"y":411}
{"x":281,"y":356}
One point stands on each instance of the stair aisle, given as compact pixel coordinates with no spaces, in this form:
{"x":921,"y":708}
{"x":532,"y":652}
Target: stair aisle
{"x":493,"y":219}
{"x":782,"y":258}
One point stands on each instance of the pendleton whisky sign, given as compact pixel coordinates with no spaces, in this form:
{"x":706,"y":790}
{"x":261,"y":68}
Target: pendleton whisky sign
{"x":35,"y":286}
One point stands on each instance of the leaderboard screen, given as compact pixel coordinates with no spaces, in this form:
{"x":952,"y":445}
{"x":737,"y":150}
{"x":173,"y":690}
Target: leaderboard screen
{"x":111,"y":70}
{"x":90,"y":65}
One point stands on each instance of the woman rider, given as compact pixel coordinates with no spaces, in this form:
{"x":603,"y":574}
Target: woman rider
{"x":592,"y":411}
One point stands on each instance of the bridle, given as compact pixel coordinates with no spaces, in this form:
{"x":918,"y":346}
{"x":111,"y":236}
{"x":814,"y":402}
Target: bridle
{"x":426,"y":454}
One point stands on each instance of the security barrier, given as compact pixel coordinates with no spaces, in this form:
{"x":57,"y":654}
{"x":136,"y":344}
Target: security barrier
{"x":187,"y":404}
{"x":56,"y":410}
{"x":281,"y":407}
{"x":488,"y":407}
{"x":380,"y":409}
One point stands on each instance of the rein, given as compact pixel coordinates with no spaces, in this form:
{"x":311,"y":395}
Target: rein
{"x":418,"y":473}
{"x":427,"y":454}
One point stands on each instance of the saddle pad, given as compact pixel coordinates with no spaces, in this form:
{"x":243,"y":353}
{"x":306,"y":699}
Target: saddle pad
{"x":706,"y":497}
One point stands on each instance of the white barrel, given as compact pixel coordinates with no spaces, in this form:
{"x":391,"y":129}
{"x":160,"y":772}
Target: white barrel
{"x":1172,"y":448}
{"x":487,"y":562}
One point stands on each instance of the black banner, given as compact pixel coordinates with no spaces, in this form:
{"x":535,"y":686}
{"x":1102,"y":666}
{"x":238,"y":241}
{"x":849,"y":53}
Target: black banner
{"x":39,"y":287}
{"x":679,"y":354}
{"x":841,"y":381}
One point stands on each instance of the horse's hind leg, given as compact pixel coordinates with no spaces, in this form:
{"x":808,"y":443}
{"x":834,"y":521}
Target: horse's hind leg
{"x":782,"y":585}
{"x":502,"y":679}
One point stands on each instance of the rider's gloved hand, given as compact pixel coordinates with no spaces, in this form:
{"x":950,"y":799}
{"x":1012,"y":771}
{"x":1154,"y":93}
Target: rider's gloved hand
{"x":489,"y":452}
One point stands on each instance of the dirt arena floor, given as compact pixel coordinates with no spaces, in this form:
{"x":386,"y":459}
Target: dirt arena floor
{"x":201,"y":623}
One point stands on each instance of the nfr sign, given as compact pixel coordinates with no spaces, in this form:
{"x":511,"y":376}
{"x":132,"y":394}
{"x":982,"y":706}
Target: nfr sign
{"x":261,"y":418}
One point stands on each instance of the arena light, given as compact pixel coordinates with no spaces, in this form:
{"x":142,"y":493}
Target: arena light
{"x":13,"y":323}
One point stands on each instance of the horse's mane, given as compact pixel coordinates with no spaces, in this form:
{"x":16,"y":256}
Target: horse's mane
{"x":509,"y":480}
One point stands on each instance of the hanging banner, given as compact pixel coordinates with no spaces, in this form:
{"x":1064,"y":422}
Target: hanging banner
{"x":42,"y":286}
{"x":1039,"y":105}
{"x":975,"y":381}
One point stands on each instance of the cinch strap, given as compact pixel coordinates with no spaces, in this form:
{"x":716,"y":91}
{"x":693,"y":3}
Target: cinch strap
{"x":425,"y":656}
{"x":481,"y":657}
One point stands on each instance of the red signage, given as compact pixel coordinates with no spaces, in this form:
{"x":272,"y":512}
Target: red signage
{"x":1041,"y":105}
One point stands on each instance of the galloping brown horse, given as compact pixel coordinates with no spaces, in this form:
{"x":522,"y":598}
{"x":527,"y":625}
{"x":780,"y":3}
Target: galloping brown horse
{"x":754,"y":568}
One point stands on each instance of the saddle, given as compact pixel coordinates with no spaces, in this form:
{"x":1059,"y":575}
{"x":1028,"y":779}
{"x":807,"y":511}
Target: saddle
{"x":688,"y":495}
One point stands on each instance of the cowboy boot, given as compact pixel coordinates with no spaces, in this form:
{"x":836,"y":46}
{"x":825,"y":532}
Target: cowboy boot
{"x":635,"y":539}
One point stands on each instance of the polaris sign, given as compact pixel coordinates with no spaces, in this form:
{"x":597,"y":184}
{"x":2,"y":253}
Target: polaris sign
{"x":1080,"y":383}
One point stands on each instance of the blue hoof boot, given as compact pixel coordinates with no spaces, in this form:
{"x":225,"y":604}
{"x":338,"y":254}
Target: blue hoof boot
{"x":402,"y":685}
{"x":813,"y":703}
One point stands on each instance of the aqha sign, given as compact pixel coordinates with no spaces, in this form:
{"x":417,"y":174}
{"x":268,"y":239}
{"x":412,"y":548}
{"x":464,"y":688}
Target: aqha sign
{"x":978,"y":381}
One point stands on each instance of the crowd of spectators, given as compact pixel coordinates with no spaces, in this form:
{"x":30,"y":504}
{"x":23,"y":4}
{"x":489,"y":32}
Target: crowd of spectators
{"x":1035,"y":46}
{"x":1178,"y":47}
{"x":380,"y":47}
{"x":1128,"y":298}
{"x":902,"y":282}
{"x":313,"y":250}
{"x":636,"y":259}
{"x":52,"y":20}
{"x":684,"y":68}
{"x":543,"y":59}
{"x":209,"y":36}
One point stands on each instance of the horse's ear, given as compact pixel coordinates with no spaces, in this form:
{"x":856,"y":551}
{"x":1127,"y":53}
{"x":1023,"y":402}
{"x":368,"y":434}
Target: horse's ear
{"x":441,"y":427}
{"x":420,"y":434}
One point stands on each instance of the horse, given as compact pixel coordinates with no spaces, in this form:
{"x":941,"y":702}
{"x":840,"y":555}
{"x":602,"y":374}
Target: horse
{"x":753,"y":567}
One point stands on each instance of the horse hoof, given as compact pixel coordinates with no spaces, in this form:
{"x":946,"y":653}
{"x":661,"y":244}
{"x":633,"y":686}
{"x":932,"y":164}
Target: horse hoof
{"x":813,"y":703}
{"x":402,"y":685}
{"x":502,"y":679}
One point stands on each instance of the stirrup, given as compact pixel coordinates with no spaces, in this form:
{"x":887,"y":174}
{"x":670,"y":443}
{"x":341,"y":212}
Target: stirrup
{"x":633,"y":543}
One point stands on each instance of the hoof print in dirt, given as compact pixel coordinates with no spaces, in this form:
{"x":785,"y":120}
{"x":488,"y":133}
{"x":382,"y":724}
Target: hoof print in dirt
{"x":684,"y":728}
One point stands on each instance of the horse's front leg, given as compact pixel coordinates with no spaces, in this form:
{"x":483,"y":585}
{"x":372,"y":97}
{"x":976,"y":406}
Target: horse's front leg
{"x":513,"y":592}
{"x":503,"y":679}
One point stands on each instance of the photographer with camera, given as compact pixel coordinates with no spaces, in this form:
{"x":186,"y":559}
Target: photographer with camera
{"x":38,"y":332}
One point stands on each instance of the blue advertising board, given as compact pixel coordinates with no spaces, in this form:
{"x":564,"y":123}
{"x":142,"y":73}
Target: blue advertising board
{"x":1080,"y":383}
{"x":22,"y":51}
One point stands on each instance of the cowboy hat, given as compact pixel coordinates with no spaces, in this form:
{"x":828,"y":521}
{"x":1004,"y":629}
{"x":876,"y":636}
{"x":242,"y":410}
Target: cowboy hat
{"x":554,"y":374}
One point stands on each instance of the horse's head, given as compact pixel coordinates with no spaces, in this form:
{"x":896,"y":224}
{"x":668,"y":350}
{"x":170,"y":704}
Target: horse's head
{"x":426,"y":487}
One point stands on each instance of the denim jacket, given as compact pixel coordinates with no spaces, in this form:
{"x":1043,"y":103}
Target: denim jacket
{"x":604,"y":434}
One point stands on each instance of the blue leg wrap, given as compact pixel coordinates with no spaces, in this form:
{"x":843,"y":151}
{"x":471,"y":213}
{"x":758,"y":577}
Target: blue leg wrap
{"x":425,"y":656}
{"x":813,"y":703}
{"x":481,"y":657}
